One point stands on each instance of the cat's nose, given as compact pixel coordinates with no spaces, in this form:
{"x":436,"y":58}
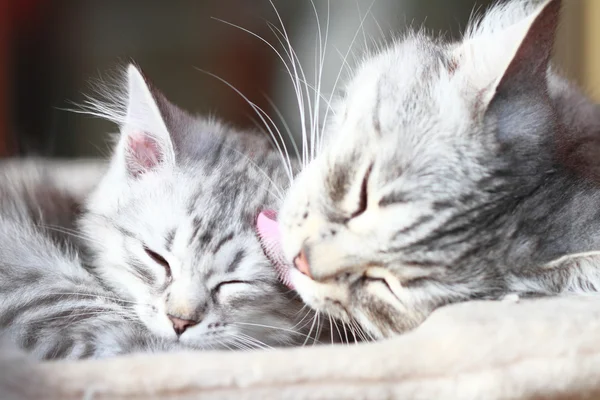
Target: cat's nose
{"x":301,"y":262}
{"x":180,"y":324}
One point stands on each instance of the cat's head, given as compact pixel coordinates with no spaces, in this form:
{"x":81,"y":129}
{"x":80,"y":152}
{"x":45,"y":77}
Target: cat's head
{"x":426,"y":147}
{"x":171,"y":226}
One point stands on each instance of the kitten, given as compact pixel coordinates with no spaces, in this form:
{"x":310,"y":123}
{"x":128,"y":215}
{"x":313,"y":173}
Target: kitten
{"x":165,"y":255}
{"x":450,"y":171}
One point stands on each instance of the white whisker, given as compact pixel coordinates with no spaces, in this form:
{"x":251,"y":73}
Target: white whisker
{"x":335,"y":83}
{"x":262,"y":115}
{"x":285,"y":126}
{"x":271,"y":327}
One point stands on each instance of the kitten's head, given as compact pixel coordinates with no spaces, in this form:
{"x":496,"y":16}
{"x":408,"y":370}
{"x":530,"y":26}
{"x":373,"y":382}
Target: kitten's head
{"x":427,"y":146}
{"x":171,"y":226}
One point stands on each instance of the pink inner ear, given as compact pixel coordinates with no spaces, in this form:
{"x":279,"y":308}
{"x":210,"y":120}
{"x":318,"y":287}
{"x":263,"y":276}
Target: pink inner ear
{"x":270,"y":238}
{"x":143,"y":153}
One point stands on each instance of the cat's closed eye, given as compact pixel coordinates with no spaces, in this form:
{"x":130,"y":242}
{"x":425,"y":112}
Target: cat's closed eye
{"x":362,"y":201}
{"x":159,"y":260}
{"x":369,"y":279}
{"x":225,"y":284}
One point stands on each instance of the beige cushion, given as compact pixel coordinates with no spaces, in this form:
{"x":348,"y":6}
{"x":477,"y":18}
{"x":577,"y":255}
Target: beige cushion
{"x":531,"y":349}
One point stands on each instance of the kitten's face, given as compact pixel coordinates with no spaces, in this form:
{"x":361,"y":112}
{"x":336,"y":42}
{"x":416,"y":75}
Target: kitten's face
{"x":381,"y":184}
{"x":397,"y":199}
{"x":171,"y":228}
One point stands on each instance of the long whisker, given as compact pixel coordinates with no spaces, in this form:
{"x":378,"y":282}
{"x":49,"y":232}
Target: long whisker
{"x":295,"y":68}
{"x":335,"y":83}
{"x":319,"y":328}
{"x":330,"y":327}
{"x":314,"y":319}
{"x":363,"y":28}
{"x":97,"y":296}
{"x":308,"y":312}
{"x":71,"y":232}
{"x":264,"y":117}
{"x":287,"y":67}
{"x":318,"y":76}
{"x":85,"y":314}
{"x":271,"y":327}
{"x":378,"y":26}
{"x":301,"y":79}
{"x":293,"y":75}
{"x":255,"y":341}
{"x":285,"y":126}
{"x":338,"y":329}
{"x":345,"y":333}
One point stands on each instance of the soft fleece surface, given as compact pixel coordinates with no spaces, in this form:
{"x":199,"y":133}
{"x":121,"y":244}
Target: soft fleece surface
{"x":530,"y":349}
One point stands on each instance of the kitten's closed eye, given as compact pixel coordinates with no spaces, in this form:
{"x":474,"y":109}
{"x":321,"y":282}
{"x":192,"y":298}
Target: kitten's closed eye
{"x":159,"y":260}
{"x":362,"y":201}
{"x":221,"y":287}
{"x":371,"y":279}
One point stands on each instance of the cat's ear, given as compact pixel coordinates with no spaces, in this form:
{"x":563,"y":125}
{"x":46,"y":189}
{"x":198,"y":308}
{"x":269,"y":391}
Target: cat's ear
{"x":504,"y":55}
{"x":145,"y":142}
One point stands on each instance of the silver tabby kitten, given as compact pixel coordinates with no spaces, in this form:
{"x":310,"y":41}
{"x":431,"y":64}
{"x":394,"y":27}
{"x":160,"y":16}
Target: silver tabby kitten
{"x":450,"y":171}
{"x":164,"y":256}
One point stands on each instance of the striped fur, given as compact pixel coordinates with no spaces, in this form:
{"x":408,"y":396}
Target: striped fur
{"x":450,"y":171}
{"x":166,"y":229}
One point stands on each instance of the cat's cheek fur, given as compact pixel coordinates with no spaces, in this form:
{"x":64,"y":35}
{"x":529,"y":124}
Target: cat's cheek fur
{"x":326,"y":297}
{"x":380,"y":312}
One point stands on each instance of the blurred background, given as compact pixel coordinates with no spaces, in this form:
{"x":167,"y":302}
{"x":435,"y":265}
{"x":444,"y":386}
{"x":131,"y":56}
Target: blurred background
{"x":50,"y":51}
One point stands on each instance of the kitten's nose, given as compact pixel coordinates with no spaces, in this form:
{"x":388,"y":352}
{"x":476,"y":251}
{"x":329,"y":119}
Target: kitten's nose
{"x":301,"y":262}
{"x":180,"y":324}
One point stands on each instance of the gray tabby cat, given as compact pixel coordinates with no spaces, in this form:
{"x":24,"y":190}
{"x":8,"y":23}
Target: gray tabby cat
{"x":450,"y":171}
{"x":163,"y":254}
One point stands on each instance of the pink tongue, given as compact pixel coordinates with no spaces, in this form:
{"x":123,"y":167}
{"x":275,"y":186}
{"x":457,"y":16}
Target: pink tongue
{"x":270,"y":238}
{"x":267,"y":226}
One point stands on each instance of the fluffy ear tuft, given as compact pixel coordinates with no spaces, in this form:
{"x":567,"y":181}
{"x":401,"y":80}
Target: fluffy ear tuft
{"x":145,"y":140}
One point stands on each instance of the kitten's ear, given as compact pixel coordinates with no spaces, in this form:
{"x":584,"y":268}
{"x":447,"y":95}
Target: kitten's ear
{"x":511,"y":56}
{"x":145,"y":140}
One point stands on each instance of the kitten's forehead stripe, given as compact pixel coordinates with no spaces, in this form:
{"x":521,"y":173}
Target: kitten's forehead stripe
{"x":338,"y":183}
{"x":235,"y":263}
{"x":196,"y":227}
{"x":169,"y":239}
{"x":125,"y":232}
{"x":140,"y":270}
{"x":222,"y":241}
{"x":205,"y":238}
{"x":395,"y":198}
{"x":340,"y":179}
{"x":423,"y":219}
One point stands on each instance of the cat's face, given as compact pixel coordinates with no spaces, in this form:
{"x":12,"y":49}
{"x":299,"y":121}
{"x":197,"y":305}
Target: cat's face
{"x":397,"y":156}
{"x":380,"y":225}
{"x":171,"y":230}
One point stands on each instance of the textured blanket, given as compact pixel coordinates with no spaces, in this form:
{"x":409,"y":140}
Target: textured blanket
{"x":528,"y":349}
